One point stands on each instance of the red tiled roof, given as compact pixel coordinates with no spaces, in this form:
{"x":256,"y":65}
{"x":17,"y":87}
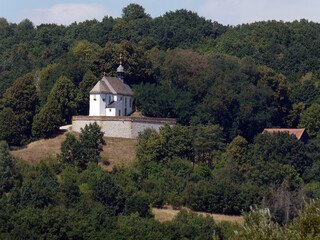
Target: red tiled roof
{"x":298,"y":132}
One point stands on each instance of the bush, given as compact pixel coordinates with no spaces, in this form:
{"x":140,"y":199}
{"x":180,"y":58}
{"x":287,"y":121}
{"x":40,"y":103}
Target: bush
{"x":86,"y":150}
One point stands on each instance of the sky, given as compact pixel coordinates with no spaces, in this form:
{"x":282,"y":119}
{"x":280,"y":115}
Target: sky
{"x":226,"y":12}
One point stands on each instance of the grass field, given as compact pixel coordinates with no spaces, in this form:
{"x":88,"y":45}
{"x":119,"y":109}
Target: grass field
{"x":168,"y":214}
{"x":117,"y":150}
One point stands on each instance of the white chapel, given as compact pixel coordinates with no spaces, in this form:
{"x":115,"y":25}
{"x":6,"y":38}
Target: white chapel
{"x":111,"y":96}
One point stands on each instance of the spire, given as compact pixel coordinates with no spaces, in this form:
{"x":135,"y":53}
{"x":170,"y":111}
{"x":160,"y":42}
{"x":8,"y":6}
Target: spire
{"x":120,"y":70}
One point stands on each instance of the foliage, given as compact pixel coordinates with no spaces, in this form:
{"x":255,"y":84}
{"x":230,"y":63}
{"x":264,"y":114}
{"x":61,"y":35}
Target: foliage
{"x":309,"y":120}
{"x":237,"y":150}
{"x":216,"y":197}
{"x":105,"y":191}
{"x":154,"y":101}
{"x":87,"y":83}
{"x":9,"y":127}
{"x":63,"y":92}
{"x":286,"y":47}
{"x":7,"y":171}
{"x":208,"y":143}
{"x":181,"y":28}
{"x":48,"y":76}
{"x":219,"y":82}
{"x":84,"y":151}
{"x":47,"y":121}
{"x":134,"y":12}
{"x":306,"y":225}
{"x":281,"y":147}
{"x":135,"y":63}
{"x":59,"y":109}
{"x":258,"y":224}
{"x":22,"y":98}
{"x":191,"y":226}
{"x":39,"y":192}
{"x":281,"y":94}
{"x":91,"y":138}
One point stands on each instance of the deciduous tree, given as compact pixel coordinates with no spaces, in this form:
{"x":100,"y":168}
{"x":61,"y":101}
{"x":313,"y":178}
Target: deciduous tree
{"x":310,"y":120}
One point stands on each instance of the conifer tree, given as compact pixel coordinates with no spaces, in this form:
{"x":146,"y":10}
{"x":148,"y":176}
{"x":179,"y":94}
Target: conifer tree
{"x":23,"y":99}
{"x":47,"y":121}
{"x":9,"y":127}
{"x":87,"y":83}
{"x":58,"y":110}
{"x":63,"y":92}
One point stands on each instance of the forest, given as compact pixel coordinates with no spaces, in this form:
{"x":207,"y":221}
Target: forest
{"x":223,"y":84}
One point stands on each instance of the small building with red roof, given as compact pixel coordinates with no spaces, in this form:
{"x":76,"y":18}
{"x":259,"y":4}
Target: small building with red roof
{"x":300,"y":133}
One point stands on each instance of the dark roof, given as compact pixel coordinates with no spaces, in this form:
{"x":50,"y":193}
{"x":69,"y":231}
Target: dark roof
{"x":298,"y":132}
{"x":112,"y":85}
{"x":114,"y":104}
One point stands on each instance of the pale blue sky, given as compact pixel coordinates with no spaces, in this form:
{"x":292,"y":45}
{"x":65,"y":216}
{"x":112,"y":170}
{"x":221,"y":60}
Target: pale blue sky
{"x":231,"y":12}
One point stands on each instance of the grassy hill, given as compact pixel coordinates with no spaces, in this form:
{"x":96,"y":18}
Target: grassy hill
{"x":117,"y":150}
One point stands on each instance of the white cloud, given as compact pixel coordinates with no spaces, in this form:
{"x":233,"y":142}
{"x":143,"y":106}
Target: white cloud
{"x":66,"y":13}
{"x":235,"y":12}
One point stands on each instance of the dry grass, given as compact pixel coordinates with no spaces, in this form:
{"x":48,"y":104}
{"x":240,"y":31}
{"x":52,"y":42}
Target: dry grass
{"x":136,"y":114}
{"x":168,"y":214}
{"x":117,"y":150}
{"x":41,"y":149}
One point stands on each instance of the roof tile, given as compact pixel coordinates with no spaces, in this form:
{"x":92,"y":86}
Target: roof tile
{"x":112,"y":85}
{"x":298,"y":132}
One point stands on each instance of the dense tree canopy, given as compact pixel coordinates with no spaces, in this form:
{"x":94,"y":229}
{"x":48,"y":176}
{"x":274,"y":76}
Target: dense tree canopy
{"x":23,"y":99}
{"x":223,"y":84}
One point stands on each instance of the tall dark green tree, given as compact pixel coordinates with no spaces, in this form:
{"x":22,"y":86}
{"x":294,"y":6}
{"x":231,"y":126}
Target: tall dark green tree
{"x":23,"y":99}
{"x":64,"y":93}
{"x":48,"y":77}
{"x":82,"y":99}
{"x":9,"y":127}
{"x":208,"y":143}
{"x":86,"y":150}
{"x":47,"y":121}
{"x":134,"y":12}
{"x":59,"y":109}
{"x":7,"y":171}
{"x":91,"y":139}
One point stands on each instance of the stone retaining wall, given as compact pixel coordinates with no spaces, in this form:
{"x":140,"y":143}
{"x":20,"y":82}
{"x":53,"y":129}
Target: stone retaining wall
{"x":123,"y":127}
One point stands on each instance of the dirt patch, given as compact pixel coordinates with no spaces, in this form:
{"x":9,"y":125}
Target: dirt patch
{"x":168,"y":214}
{"x":118,"y":150}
